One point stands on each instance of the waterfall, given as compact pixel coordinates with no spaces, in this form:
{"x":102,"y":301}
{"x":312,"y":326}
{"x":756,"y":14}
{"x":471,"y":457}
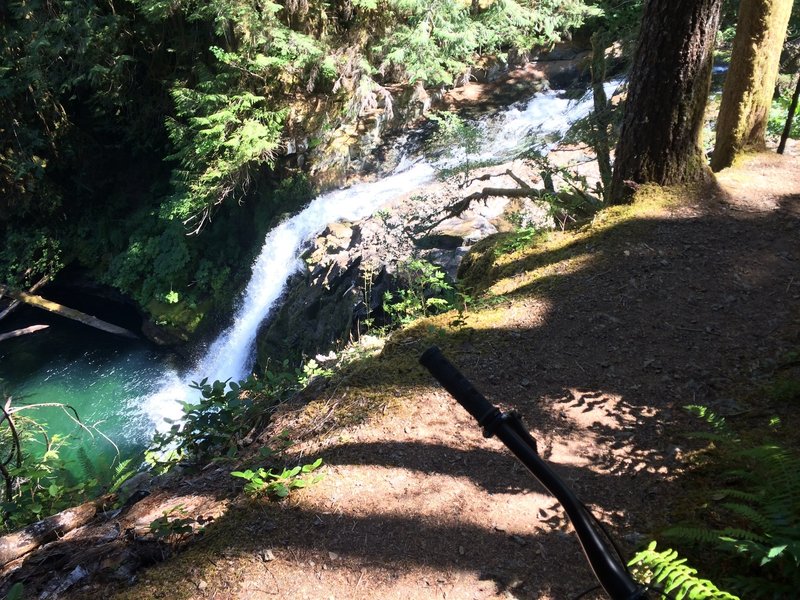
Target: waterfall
{"x":232,"y":354}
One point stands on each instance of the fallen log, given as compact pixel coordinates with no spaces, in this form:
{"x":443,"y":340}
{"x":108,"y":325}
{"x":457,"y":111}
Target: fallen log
{"x":65,"y":311}
{"x":24,"y":331}
{"x":15,"y":303}
{"x":15,"y":545}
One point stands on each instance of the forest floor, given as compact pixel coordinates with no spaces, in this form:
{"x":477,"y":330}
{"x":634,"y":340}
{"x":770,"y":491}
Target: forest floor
{"x":597,"y":337}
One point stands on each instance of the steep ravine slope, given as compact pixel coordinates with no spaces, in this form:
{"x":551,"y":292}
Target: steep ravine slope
{"x":597,"y":337}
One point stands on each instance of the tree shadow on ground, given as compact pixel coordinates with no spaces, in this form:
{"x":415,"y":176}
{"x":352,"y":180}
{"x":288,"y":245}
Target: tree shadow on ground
{"x":598,"y":358}
{"x":661,"y":313}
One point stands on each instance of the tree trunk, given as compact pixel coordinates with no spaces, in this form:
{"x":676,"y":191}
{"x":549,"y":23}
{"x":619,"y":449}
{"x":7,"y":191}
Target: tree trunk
{"x":667,"y":94}
{"x":602,"y":145}
{"x":15,"y":303}
{"x":67,"y":312}
{"x":14,"y":545}
{"x":787,"y":128}
{"x":750,"y":83}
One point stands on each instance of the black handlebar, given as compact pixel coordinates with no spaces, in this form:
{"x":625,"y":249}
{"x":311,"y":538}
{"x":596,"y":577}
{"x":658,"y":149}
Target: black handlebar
{"x":611,"y":574}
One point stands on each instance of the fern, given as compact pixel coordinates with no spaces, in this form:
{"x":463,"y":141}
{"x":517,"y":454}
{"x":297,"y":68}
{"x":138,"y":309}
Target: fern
{"x":89,"y":469}
{"x":122,"y":473}
{"x":753,"y":524}
{"x":748,"y":513}
{"x":718,"y":424}
{"x":667,"y":572}
{"x":694,"y":535}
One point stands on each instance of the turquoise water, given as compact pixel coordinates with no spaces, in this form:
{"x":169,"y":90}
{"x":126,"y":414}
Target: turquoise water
{"x":105,"y":378}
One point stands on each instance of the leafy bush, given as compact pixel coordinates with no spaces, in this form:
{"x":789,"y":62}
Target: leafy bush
{"x":278,"y":484}
{"x":779,"y":112}
{"x":211,"y":427}
{"x":27,"y":255}
{"x":215,"y":426}
{"x":425,"y":292}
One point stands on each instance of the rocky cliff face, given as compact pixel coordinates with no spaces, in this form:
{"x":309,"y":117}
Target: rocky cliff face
{"x":350,"y":266}
{"x":360,"y":145}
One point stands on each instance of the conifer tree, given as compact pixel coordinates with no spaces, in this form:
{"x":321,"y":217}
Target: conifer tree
{"x":669,"y":84}
{"x":750,"y":82}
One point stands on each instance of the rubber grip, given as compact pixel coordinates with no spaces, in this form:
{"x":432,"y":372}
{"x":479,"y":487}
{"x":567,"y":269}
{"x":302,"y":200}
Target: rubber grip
{"x":457,"y":385}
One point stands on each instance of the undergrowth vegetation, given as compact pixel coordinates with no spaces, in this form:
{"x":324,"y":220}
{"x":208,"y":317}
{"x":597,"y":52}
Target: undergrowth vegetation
{"x":747,"y":516}
{"x":226,"y":416}
{"x":424,"y":290}
{"x":750,"y":519}
{"x":43,"y":473}
{"x":139,"y":122}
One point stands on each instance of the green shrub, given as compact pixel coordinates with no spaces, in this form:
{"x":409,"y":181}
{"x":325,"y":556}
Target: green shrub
{"x":425,"y":291}
{"x":278,"y":483}
{"x":214,"y":427}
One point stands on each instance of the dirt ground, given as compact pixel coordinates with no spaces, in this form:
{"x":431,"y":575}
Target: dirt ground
{"x":599,"y":355}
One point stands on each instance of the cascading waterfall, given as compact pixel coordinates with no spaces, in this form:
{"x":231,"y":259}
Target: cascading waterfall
{"x":231,"y":356}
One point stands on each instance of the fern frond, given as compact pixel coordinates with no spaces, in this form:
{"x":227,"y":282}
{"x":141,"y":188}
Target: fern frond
{"x":738,"y":534}
{"x":89,"y":469}
{"x":733,"y":494}
{"x":122,"y":473}
{"x":750,"y":514}
{"x":674,"y":575}
{"x":717,"y":423}
{"x":692,"y":534}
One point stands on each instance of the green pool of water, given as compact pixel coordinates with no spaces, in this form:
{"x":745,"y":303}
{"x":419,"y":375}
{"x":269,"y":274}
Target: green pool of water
{"x":105,"y":378}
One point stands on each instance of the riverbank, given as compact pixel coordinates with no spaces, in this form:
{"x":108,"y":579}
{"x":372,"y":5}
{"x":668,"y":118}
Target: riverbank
{"x":597,"y":337}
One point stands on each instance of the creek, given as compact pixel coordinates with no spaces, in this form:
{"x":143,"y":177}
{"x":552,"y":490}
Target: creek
{"x":129,"y":388}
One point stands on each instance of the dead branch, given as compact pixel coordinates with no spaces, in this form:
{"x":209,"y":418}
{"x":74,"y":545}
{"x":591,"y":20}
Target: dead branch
{"x":15,"y":303}
{"x":488,"y":192}
{"x":521,"y":183}
{"x":24,"y":331}
{"x":15,"y":545}
{"x":486,"y":176}
{"x":457,"y":209}
{"x":67,"y":312}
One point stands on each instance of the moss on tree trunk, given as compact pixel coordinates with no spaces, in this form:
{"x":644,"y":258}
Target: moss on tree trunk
{"x":669,"y":84}
{"x":750,"y":82}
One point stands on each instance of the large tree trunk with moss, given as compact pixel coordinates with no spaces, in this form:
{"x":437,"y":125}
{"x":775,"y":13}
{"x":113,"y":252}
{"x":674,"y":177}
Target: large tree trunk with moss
{"x":668,"y":89}
{"x":750,"y":82}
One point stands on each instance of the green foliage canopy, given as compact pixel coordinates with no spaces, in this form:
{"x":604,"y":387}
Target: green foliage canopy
{"x":128,"y":123}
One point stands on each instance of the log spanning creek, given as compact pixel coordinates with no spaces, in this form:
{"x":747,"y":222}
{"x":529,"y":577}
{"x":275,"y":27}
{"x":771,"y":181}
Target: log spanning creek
{"x":126,"y":388}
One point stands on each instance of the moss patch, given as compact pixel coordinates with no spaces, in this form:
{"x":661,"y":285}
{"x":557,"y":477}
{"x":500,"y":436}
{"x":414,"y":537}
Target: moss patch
{"x":491,"y":268}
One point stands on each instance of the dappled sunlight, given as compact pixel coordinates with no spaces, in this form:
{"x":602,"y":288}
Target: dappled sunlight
{"x":526,"y":278}
{"x":598,"y":344}
{"x":527,"y":311}
{"x":364,"y":491}
{"x":589,"y":408}
{"x":205,"y":506}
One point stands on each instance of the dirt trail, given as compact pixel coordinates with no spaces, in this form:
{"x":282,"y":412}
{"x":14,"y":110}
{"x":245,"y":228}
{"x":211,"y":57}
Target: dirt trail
{"x":599,"y":357}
